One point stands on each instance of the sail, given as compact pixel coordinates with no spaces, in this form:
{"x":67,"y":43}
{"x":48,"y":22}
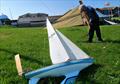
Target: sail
{"x":72,"y":50}
{"x":61,"y":48}
{"x":58,"y":53}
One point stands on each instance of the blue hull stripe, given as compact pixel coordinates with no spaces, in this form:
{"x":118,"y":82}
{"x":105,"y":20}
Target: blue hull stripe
{"x":46,"y":69}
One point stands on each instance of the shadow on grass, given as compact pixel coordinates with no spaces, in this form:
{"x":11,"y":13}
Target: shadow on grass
{"x":72,"y":29}
{"x":86,"y":75}
{"x":112,"y":41}
{"x":105,"y":41}
{"x":51,"y":80}
{"x":23,"y":56}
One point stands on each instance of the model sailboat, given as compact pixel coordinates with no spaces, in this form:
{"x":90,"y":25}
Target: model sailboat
{"x":68,"y":59}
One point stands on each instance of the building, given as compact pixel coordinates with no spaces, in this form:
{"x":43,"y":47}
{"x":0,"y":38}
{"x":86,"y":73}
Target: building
{"x":53,"y":19}
{"x":111,"y":11}
{"x":14,"y":23}
{"x":32,"y":19}
{"x":0,"y":22}
{"x":4,"y":20}
{"x":102,"y":16}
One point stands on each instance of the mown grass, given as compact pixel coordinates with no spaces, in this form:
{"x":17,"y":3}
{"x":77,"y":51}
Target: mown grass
{"x":116,"y":18}
{"x":32,"y":45}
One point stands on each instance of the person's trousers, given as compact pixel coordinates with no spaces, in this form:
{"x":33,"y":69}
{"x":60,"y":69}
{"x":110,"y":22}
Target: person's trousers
{"x":91,"y":32}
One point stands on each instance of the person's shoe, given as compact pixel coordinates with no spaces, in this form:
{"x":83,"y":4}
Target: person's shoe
{"x":100,"y":40}
{"x":89,"y":41}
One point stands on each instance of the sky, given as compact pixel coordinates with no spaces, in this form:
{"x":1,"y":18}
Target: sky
{"x":15,"y":8}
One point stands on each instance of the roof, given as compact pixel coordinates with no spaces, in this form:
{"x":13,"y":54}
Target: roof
{"x":33,"y":14}
{"x":107,"y":8}
{"x":2,"y":16}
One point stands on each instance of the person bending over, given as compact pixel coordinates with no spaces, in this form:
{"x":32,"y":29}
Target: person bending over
{"x":91,"y":18}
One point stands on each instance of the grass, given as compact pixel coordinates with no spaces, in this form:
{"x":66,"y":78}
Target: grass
{"x":116,"y":18}
{"x":32,"y":45}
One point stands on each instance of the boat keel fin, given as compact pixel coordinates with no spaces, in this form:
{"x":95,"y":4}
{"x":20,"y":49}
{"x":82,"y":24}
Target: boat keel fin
{"x":70,"y":78}
{"x":34,"y":80}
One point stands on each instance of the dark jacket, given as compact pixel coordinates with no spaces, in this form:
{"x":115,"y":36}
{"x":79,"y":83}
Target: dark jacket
{"x":88,"y":14}
{"x":92,"y":13}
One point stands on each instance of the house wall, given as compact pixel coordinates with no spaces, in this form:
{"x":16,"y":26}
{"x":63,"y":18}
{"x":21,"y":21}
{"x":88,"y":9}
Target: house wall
{"x":0,"y":22}
{"x":36,"y":19}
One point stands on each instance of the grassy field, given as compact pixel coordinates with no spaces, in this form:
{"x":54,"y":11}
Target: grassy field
{"x":116,"y":18}
{"x":32,"y":45}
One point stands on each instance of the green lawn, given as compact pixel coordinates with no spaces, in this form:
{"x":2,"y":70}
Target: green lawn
{"x":32,"y":45}
{"x":116,"y":18}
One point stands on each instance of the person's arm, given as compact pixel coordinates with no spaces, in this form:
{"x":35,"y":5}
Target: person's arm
{"x":87,"y":19}
{"x":84,"y":15}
